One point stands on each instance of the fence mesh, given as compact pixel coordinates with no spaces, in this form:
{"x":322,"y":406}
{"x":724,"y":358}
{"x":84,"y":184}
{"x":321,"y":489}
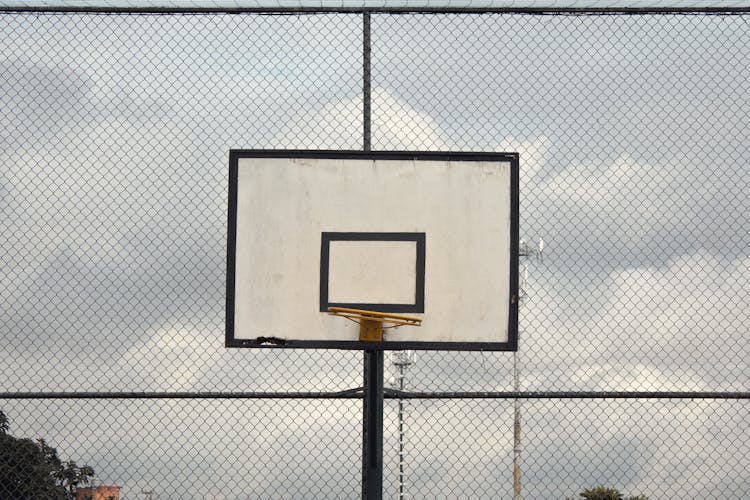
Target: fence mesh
{"x":634,"y":151}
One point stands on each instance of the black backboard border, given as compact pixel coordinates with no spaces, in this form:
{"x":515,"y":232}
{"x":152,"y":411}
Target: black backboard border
{"x":279,"y":342}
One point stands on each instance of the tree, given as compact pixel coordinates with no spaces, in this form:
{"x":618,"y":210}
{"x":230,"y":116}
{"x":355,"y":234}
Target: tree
{"x":69,"y":476}
{"x":605,"y":493}
{"x":601,"y":493}
{"x":32,"y":469}
{"x":4,"y":424}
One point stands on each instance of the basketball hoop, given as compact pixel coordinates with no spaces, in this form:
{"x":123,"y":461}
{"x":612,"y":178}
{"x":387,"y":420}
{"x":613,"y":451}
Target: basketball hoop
{"x":372,"y":323}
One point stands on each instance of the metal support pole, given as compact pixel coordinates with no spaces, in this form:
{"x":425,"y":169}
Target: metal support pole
{"x":372,"y":429}
{"x":372,"y":411}
{"x":401,"y":368}
{"x":366,"y":97}
{"x":517,"y":488}
{"x":403,"y":361}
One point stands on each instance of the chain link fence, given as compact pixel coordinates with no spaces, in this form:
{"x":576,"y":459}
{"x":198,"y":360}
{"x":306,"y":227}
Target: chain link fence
{"x":634,"y":138}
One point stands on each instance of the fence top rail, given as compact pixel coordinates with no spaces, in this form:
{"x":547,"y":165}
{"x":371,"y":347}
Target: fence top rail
{"x":411,"y":9}
{"x":357,"y":393}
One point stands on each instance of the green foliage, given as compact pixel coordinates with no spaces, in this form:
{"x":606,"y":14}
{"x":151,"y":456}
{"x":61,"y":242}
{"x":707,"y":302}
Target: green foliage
{"x":601,"y":493}
{"x":32,"y":469}
{"x":4,"y":424}
{"x":605,"y":493}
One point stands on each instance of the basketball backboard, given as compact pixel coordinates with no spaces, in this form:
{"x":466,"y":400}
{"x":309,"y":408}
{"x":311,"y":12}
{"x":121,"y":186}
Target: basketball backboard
{"x":434,"y":235}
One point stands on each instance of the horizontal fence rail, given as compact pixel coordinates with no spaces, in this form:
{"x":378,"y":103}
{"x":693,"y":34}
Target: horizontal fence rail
{"x":387,"y":394}
{"x":322,"y":9}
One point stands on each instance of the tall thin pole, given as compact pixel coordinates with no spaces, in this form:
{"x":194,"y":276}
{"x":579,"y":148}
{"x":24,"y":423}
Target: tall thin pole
{"x":516,"y":431}
{"x":372,"y":407}
{"x":524,"y":252}
{"x":366,"y":76}
{"x":403,"y":360}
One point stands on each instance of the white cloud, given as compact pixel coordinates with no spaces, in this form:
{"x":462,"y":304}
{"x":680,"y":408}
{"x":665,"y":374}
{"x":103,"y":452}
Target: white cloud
{"x":629,"y":212}
{"x":674,"y":328}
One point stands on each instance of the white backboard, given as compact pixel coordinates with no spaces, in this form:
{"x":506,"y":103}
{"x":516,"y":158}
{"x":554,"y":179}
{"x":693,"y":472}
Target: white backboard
{"x":431,"y":235}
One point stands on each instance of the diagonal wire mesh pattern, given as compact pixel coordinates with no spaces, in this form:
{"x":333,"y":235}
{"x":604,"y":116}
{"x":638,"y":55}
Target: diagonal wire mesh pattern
{"x":201,"y":448}
{"x":634,"y":150}
{"x":633,"y":137}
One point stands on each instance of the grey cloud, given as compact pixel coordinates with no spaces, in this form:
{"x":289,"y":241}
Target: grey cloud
{"x":652,"y":87}
{"x":667,"y":95}
{"x":635,"y":214}
{"x":38,"y":100}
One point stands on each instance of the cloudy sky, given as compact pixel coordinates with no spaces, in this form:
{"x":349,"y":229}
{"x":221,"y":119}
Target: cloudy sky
{"x":633,"y":136}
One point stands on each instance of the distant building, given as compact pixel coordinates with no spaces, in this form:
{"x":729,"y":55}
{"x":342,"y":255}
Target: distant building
{"x":101,"y":492}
